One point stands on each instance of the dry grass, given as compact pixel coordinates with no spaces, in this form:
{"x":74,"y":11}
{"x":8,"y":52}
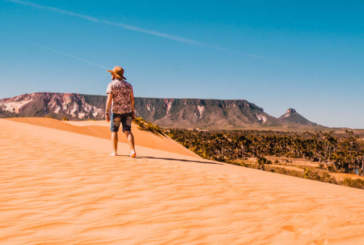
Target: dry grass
{"x":304,"y":169}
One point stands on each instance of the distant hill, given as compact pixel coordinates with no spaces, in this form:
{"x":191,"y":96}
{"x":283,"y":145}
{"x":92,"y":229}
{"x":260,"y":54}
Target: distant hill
{"x":293,"y":118}
{"x":172,"y":113}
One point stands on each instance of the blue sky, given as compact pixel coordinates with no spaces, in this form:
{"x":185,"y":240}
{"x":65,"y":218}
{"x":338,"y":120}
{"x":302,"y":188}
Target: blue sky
{"x":276,"y":54}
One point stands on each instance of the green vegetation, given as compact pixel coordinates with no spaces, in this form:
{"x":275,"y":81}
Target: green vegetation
{"x":341,"y":154}
{"x":275,"y":151}
{"x":333,"y":154}
{"x":147,"y":126}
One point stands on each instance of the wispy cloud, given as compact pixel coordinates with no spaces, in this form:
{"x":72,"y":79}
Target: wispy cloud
{"x":132,"y":28}
{"x":74,"y":57}
{"x":57,"y":10}
{"x":153,"y":33}
{"x":111,"y":23}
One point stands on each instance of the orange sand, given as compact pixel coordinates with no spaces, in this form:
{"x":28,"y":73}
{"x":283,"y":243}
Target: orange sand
{"x":61,"y":187}
{"x":101,"y":129}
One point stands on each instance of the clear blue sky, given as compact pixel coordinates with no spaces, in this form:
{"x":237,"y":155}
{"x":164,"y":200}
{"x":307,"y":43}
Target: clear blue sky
{"x":277,"y":54}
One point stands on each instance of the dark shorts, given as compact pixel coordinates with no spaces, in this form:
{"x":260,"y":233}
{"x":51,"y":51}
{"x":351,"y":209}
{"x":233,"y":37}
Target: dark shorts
{"x":125,"y":119}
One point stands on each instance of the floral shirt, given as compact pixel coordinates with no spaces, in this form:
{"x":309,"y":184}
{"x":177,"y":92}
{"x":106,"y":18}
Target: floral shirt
{"x":120,"y":91}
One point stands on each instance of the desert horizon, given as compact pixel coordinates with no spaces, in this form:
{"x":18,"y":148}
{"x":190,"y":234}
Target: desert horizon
{"x":203,"y":113}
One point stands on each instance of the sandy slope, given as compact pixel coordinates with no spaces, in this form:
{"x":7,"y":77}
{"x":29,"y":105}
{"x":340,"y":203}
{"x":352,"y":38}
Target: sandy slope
{"x":101,"y":129}
{"x":59,"y":187}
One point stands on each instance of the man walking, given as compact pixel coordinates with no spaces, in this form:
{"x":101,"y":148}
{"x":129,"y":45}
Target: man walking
{"x":120,"y":99}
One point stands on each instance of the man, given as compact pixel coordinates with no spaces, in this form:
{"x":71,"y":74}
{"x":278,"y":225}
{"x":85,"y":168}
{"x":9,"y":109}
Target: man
{"x":120,"y":99}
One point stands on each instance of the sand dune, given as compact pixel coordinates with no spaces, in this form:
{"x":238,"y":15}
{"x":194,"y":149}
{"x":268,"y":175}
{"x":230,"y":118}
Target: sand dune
{"x":101,"y":129}
{"x":59,"y":186}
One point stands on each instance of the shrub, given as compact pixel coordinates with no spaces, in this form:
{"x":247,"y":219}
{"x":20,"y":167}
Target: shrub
{"x":358,"y":183}
{"x":148,"y":126}
{"x":263,"y":160}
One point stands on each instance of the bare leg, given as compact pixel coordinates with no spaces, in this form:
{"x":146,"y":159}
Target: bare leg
{"x":130,"y":137}
{"x":114,"y":138}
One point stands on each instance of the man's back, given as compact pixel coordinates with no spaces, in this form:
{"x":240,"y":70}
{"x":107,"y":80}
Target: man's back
{"x":120,"y":91}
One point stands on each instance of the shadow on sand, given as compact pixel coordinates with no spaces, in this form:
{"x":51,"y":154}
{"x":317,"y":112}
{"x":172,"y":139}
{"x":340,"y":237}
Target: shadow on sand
{"x":172,"y":159}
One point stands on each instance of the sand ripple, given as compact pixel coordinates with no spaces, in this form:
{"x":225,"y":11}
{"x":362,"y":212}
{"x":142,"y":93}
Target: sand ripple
{"x":59,"y":187}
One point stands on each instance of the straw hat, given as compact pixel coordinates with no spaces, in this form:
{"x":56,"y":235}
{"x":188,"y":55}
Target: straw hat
{"x":118,"y":72}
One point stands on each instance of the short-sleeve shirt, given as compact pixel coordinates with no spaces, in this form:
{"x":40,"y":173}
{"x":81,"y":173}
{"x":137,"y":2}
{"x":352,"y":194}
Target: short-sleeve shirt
{"x":120,"y":91}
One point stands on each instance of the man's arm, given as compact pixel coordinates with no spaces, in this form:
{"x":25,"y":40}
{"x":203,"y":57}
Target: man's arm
{"x":108,"y":105}
{"x":132,"y":103}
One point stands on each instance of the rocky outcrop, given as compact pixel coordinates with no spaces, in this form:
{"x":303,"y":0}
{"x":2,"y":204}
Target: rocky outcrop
{"x":201,"y":113}
{"x":293,"y":118}
{"x":58,"y":105}
{"x":168,"y":112}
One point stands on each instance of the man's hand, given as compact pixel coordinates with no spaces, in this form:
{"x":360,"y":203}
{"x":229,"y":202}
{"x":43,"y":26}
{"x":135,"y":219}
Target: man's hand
{"x":133,"y":115}
{"x":107,"y":108}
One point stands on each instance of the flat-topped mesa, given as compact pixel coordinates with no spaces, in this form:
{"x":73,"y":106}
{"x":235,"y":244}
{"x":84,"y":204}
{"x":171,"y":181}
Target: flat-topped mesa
{"x":202,"y":113}
{"x":165,"y":112}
